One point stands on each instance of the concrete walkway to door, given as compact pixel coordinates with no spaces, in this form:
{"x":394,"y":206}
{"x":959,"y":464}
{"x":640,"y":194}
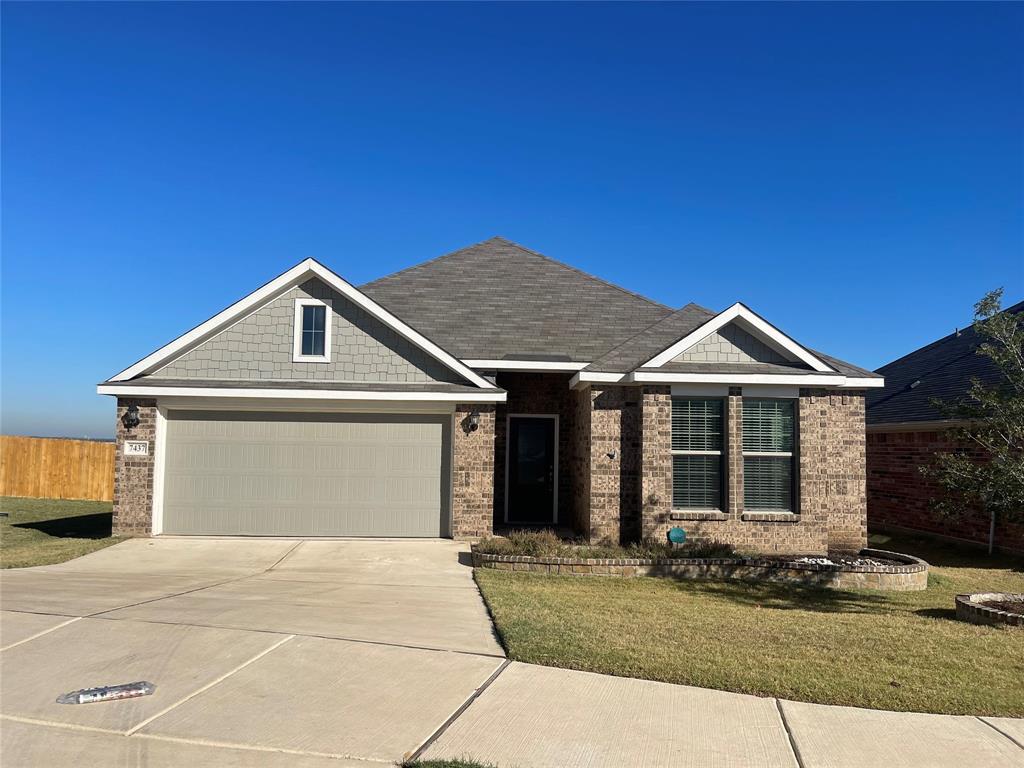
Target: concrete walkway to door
{"x":360,"y":653}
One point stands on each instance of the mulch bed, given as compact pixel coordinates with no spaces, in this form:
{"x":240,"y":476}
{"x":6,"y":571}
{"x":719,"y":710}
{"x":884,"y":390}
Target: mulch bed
{"x":1010,"y":606}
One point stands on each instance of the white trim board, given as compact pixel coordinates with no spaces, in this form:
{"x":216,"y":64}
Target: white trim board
{"x":525,"y":365}
{"x":736,"y":379}
{"x":269,"y":291}
{"x":301,"y":394}
{"x":297,"y":356}
{"x":749,"y":321}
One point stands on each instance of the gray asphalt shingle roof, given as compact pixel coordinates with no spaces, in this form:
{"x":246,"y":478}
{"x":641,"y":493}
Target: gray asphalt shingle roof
{"x":497,"y":300}
{"x":944,"y":370}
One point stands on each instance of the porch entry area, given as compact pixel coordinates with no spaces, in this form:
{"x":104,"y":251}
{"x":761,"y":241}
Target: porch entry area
{"x":531,"y":471}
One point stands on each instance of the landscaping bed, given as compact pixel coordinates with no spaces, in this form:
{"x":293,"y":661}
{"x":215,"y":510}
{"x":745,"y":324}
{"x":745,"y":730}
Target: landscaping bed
{"x":991,"y":608}
{"x":542,"y":552}
{"x":884,"y":650}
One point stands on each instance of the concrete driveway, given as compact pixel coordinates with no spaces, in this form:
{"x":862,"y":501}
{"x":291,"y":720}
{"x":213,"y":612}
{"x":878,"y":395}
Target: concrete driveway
{"x":355,"y":654}
{"x":261,"y":650}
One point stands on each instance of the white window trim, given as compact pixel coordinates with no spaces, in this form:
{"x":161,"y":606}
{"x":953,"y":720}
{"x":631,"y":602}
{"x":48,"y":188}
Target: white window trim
{"x":748,"y":321}
{"x":297,"y":356}
{"x":722,"y":468}
{"x":794,"y":480}
{"x":554,"y":500}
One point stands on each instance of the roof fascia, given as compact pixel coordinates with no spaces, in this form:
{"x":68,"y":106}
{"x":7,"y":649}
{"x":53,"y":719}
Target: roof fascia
{"x":122,"y":390}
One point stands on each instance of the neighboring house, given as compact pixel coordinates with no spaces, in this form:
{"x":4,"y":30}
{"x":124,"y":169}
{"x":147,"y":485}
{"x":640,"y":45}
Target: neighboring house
{"x":905,"y":431}
{"x":489,"y":388}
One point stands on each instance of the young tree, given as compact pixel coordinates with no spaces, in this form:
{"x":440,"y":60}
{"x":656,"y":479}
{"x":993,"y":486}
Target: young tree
{"x":993,"y":420}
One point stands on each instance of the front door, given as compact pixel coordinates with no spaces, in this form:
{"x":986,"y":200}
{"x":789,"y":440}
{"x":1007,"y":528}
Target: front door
{"x":532,"y":462}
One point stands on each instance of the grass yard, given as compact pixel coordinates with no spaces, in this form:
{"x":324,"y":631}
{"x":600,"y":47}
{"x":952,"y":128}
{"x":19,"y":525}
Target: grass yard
{"x":46,"y":531}
{"x":883,"y":650}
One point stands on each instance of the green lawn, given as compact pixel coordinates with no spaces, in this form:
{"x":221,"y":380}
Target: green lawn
{"x":884,"y":650}
{"x":45,"y":531}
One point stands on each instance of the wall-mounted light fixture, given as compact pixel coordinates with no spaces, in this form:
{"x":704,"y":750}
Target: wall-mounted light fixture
{"x":131,"y":417}
{"x":474,"y":421}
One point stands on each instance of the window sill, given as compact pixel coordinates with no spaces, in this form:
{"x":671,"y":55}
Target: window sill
{"x":697,"y":515}
{"x":770,"y":517}
{"x":310,"y":359}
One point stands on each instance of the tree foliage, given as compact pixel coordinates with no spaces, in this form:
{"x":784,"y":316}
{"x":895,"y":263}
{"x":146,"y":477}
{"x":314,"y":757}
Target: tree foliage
{"x":992,"y":418}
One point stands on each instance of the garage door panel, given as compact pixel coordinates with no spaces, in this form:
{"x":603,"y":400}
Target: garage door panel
{"x":304,"y":475}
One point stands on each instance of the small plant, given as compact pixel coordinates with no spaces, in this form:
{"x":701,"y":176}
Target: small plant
{"x":545,"y":543}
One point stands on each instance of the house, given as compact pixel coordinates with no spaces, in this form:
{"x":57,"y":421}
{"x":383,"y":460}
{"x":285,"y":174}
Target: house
{"x":488,"y":388}
{"x":905,"y":430}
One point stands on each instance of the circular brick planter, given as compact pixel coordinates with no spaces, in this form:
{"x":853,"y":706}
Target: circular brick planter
{"x":910,"y":575}
{"x":970,"y":608}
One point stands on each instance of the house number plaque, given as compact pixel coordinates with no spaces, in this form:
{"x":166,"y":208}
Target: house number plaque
{"x":136,"y":448}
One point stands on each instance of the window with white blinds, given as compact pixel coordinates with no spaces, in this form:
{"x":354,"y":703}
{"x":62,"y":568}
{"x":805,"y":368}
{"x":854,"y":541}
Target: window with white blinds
{"x":769,"y":438}
{"x":697,"y":443}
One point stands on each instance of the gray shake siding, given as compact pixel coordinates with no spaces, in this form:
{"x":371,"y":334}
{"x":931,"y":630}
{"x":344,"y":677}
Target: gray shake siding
{"x":730,"y":345}
{"x":260,"y":347}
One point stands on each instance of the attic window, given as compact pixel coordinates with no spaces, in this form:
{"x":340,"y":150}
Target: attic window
{"x":312,"y":331}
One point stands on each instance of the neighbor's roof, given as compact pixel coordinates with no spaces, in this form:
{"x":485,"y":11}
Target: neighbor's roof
{"x":944,"y":370}
{"x":499,"y":300}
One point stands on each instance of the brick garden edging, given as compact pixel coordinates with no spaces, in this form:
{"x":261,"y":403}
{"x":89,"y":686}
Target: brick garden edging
{"x":911,"y":575}
{"x":970,"y":608}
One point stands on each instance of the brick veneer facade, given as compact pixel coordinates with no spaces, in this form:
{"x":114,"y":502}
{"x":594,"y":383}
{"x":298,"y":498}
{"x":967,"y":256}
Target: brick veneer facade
{"x":831,"y":511}
{"x":900,"y":497}
{"x":473,"y":472}
{"x":133,"y":475}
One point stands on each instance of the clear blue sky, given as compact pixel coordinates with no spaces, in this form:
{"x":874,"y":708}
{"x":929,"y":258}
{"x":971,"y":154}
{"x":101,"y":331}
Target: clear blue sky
{"x":855,"y":173}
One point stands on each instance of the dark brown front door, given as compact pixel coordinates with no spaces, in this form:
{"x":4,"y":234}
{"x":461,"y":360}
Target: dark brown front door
{"x":531,"y":470}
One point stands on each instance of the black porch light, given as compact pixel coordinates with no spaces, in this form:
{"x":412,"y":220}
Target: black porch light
{"x":131,"y":417}
{"x":474,"y":421}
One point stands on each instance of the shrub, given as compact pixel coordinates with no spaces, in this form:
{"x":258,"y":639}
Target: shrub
{"x":544,"y":543}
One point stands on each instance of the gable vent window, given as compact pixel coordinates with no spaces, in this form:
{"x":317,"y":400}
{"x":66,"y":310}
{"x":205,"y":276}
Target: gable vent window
{"x":697,"y":441}
{"x":312,"y":331}
{"x":769,"y":439}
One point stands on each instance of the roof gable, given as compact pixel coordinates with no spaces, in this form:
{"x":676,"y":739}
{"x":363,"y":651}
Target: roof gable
{"x":751,"y":324}
{"x":498,"y":300}
{"x":298,"y":274}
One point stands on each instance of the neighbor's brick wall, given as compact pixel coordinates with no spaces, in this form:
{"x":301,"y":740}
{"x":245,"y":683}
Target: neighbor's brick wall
{"x":615,"y":446}
{"x":536,"y":393}
{"x":899,"y":496}
{"x":133,"y":476}
{"x":831,"y":510}
{"x":473,"y":472}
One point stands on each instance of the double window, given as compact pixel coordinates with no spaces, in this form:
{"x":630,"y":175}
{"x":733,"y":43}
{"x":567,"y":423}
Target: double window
{"x":697,"y":444}
{"x":698,"y":454}
{"x":768,"y":455}
{"x":312,"y":331}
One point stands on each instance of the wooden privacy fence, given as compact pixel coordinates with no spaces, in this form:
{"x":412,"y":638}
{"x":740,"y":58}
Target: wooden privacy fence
{"x":47,"y":468}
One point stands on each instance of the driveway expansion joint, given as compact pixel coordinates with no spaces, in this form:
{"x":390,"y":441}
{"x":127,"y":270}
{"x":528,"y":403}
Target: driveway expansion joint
{"x":1000,"y":731}
{"x":44,"y":632}
{"x":789,"y":734}
{"x":208,"y":686}
{"x":458,"y":712}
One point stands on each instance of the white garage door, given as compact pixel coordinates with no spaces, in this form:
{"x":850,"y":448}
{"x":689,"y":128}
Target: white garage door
{"x":278,"y":474}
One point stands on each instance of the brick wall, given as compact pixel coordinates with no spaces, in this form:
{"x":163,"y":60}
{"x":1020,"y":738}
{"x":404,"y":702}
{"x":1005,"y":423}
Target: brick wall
{"x":899,"y":496}
{"x":580,"y":464}
{"x":133,"y":475}
{"x":615,"y":446}
{"x":473,"y":472}
{"x":831,"y":509}
{"x":537,"y":393}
